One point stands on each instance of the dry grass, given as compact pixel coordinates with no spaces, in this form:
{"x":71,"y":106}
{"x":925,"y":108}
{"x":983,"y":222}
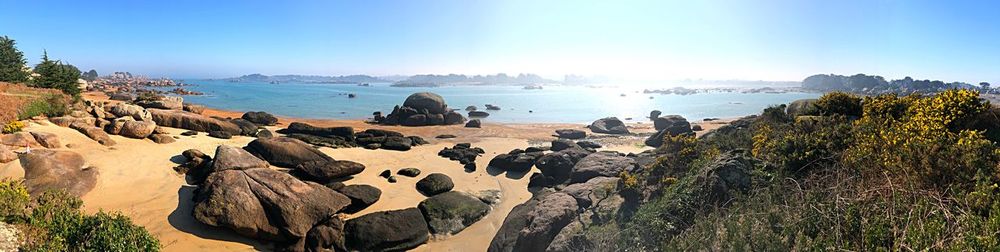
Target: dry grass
{"x":13,"y":97}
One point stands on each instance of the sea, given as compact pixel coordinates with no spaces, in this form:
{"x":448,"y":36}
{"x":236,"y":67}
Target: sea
{"x":551,"y":104}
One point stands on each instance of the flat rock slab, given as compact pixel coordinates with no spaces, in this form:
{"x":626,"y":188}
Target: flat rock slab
{"x":57,"y":170}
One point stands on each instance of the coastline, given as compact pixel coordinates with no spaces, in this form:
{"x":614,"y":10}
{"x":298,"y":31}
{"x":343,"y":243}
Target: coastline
{"x":136,"y":176}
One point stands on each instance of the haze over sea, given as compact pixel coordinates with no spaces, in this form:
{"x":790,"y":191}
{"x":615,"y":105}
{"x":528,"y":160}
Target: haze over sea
{"x":552,"y":104}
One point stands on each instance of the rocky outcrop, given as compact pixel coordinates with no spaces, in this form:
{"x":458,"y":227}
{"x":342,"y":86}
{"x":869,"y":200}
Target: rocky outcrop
{"x":531,"y":226}
{"x":450,"y":212}
{"x":601,"y":164}
{"x":57,"y":170}
{"x":608,"y":125}
{"x":265,"y":204}
{"x":435,"y":183}
{"x":191,"y":121}
{"x":93,"y":133}
{"x":285,"y":152}
{"x":571,"y":134}
{"x":361,"y":196}
{"x":594,"y":189}
{"x":260,"y":118}
{"x":395,"y":230}
{"x":422,"y":109}
{"x":345,"y":137}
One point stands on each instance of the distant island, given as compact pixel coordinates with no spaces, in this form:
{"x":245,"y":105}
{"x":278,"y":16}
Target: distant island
{"x":874,"y":84}
{"x":433,"y":80}
{"x":343,"y":79}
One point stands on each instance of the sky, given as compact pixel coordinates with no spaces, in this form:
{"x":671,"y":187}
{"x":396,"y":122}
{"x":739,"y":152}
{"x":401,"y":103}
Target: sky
{"x":630,"y":40}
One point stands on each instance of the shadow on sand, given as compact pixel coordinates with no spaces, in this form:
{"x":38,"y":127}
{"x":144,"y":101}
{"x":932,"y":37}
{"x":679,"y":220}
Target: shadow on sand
{"x":182,"y":219}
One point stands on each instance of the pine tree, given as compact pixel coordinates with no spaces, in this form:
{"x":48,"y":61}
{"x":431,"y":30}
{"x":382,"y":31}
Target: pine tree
{"x":12,"y":62}
{"x":54,"y":74}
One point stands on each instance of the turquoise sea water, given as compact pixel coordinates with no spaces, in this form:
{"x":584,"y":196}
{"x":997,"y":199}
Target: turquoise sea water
{"x":553,"y":104}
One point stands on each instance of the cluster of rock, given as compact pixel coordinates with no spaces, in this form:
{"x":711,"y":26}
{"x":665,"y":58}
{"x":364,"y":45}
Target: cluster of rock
{"x":346,"y":137}
{"x":578,"y":189}
{"x":144,"y":117}
{"x":671,"y":125}
{"x":421,"y":109}
{"x":298,"y":209}
{"x":464,"y":153}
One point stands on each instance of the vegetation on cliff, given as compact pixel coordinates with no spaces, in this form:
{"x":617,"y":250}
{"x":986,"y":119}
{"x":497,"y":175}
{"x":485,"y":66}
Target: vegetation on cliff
{"x":877,"y":173}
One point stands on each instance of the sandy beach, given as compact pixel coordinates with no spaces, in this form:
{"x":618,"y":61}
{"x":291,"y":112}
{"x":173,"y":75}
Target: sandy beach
{"x":136,"y":176}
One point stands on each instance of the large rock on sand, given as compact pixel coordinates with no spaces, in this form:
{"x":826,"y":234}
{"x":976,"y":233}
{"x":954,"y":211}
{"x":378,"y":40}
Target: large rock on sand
{"x":93,"y":133}
{"x":137,"y":129}
{"x":265,"y":204}
{"x":608,"y":125}
{"x":435,"y":183}
{"x":55,"y":169}
{"x":327,"y":170}
{"x":260,"y":118}
{"x":395,"y":230}
{"x":432,"y":102}
{"x":531,"y":226}
{"x":450,"y":212}
{"x":285,"y":152}
{"x":191,"y":121}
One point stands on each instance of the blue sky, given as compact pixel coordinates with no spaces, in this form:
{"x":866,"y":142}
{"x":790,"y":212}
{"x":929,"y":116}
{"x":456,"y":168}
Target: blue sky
{"x":640,"y":40}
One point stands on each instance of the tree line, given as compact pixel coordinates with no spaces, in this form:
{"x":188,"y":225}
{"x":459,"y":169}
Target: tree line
{"x":48,"y":73}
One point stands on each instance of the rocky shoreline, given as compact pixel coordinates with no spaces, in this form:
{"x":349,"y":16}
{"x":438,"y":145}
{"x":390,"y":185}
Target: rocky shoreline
{"x":350,"y":204}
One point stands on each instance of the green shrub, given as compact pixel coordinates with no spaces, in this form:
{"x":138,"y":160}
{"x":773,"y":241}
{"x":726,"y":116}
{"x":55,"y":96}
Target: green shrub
{"x":51,"y":106}
{"x":14,"y":200}
{"x":53,"y":222}
{"x":839,"y":103}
